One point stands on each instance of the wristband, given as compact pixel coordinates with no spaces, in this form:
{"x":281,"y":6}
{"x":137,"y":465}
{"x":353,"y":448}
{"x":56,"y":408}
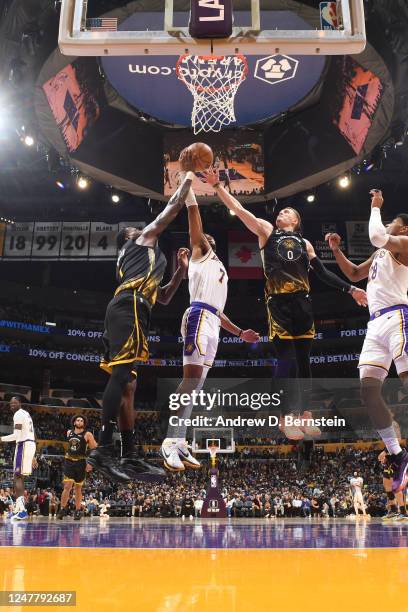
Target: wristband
{"x":216,"y":185}
{"x":352,"y":288}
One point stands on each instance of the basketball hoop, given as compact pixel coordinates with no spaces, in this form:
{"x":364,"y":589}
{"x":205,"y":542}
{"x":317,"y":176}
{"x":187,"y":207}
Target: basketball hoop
{"x":213,"y":81}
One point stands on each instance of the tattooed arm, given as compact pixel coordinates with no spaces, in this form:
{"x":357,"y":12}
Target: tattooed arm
{"x":151,"y":232}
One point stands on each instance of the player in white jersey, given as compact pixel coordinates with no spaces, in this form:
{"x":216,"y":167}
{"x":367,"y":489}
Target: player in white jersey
{"x":356,"y":483}
{"x":386,"y":339}
{"x":24,"y":455}
{"x":200,"y":329}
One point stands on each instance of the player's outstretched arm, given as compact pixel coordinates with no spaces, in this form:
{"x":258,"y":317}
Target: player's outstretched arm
{"x":331,"y":279}
{"x":377,"y":231}
{"x":199,"y":243}
{"x":260,"y":227}
{"x":151,"y":232}
{"x":165,"y":294}
{"x":353,"y":271}
{"x":15,"y":435}
{"x":247,"y":335}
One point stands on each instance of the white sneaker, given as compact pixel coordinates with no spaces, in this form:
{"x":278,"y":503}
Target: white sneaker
{"x":170,"y":454}
{"x":185,"y":456}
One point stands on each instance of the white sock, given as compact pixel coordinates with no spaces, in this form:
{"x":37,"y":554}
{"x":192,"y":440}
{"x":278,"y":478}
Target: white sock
{"x":390,"y":440}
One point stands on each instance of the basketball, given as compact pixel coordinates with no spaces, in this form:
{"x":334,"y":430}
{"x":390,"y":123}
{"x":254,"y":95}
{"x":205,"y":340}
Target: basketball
{"x":196,"y":157}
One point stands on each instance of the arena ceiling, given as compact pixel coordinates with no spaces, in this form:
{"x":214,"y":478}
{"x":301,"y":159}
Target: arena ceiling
{"x":28,"y":35}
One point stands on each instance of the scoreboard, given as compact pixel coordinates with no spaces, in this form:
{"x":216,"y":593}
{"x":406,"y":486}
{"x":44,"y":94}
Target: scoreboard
{"x":62,"y":240}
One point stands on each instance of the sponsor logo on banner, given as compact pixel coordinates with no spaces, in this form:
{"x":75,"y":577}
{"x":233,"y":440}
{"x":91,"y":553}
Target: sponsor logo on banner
{"x":276,"y":68}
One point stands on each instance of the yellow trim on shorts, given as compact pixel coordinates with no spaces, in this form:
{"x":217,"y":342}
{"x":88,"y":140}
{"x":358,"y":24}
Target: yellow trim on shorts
{"x":108,"y":366}
{"x":73,"y":480}
{"x":376,"y":365}
{"x":403,"y":341}
{"x":285,"y":336}
{"x":136,"y":320}
{"x":202,"y":318}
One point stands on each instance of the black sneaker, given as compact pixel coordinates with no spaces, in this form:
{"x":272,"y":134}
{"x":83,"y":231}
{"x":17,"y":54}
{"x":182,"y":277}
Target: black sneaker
{"x":61,"y":514}
{"x":77,"y":515}
{"x":400,"y":466}
{"x":103,"y":460}
{"x":139,"y":469}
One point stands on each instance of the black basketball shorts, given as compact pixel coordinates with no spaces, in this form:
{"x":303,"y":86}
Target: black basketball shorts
{"x":127,"y":324}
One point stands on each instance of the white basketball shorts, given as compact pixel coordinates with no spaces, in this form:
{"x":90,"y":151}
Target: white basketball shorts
{"x":200,"y":329}
{"x":23,"y":458}
{"x":385,"y":342}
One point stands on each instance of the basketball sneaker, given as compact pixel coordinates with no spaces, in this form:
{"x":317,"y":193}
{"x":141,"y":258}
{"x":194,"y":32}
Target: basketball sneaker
{"x":77,"y":515}
{"x":400,"y":466}
{"x":389,"y":516}
{"x":139,"y":469}
{"x":61,"y":514}
{"x":103,"y":460}
{"x":309,"y":430}
{"x":170,"y":453}
{"x":291,"y":432}
{"x":20,"y":516}
{"x":186,"y":457}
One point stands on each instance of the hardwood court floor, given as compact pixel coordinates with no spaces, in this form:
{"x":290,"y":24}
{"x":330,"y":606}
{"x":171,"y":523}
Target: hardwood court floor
{"x":166,"y":565}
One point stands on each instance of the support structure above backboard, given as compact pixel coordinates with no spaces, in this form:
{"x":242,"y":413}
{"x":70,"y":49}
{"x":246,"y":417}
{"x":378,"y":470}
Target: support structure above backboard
{"x":75,"y":40}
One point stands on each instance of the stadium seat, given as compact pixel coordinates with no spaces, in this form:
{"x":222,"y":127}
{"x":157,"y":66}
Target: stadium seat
{"x":78,"y":403}
{"x":51,"y":401}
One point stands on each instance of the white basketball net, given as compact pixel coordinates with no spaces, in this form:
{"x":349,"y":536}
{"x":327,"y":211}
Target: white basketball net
{"x":213,"y":81}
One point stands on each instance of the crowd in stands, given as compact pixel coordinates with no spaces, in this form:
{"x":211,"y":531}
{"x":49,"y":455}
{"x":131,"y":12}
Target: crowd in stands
{"x":268,"y":488}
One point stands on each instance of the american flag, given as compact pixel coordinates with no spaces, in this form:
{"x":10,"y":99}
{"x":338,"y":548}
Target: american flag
{"x":102,"y":24}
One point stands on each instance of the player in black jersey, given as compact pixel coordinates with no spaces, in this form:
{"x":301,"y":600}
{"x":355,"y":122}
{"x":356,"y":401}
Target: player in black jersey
{"x":79,"y":440}
{"x":287,"y":258}
{"x":139,"y":271}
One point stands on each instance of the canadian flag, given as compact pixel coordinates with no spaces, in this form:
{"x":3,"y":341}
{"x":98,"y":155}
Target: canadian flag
{"x":243,"y":256}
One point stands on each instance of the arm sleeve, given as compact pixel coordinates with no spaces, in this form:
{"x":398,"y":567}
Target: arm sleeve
{"x":327,"y":276}
{"x":376,"y":230}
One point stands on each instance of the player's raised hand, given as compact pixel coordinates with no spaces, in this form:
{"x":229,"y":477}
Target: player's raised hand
{"x":211,"y":176}
{"x":377,"y":199}
{"x":183,"y":256}
{"x":359,"y":296}
{"x":186,"y":160}
{"x":251,"y":336}
{"x":334,"y":240}
{"x":382,"y":456}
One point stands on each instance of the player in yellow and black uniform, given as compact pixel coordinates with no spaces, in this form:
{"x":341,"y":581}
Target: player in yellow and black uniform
{"x":286,"y":268}
{"x":79,"y":440}
{"x":287,"y":258}
{"x":140,"y":269}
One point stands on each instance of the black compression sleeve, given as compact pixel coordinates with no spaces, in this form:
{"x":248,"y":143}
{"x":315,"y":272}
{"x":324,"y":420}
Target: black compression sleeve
{"x":327,"y":276}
